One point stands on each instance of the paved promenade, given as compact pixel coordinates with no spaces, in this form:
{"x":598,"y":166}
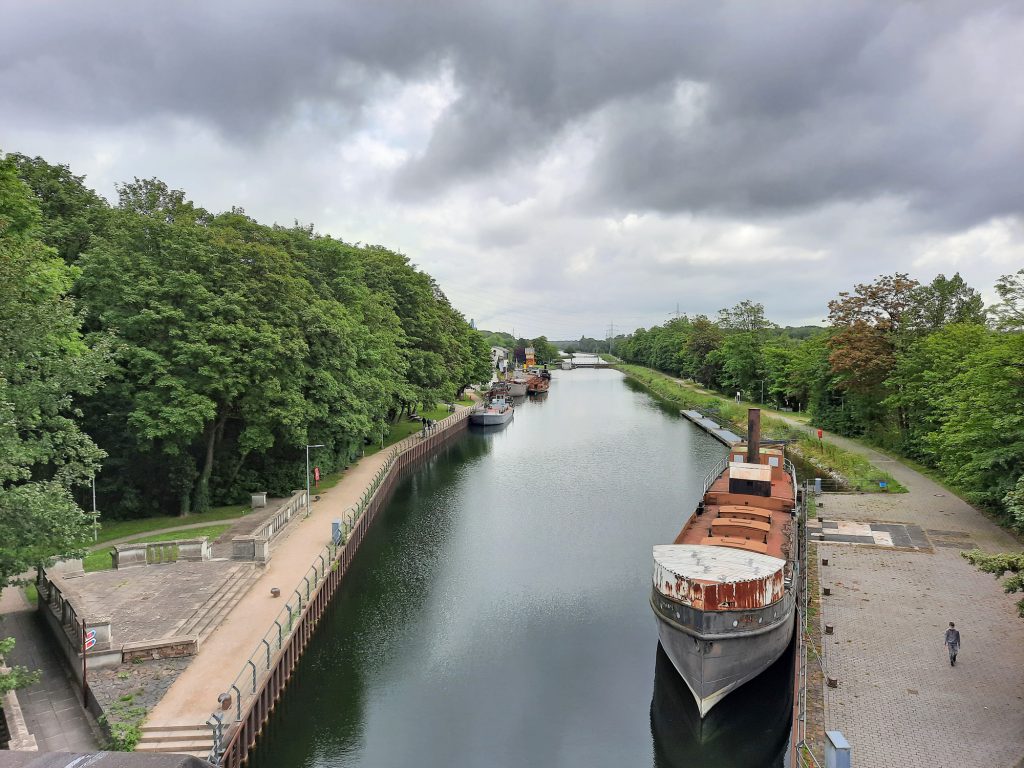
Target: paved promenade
{"x":899,"y":702}
{"x":193,"y":696}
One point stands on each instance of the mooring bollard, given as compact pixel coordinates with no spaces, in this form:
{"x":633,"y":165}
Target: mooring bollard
{"x":827,"y":591}
{"x":832,"y":682}
{"x":275,"y":591}
{"x":829,"y":629}
{"x":824,"y":561}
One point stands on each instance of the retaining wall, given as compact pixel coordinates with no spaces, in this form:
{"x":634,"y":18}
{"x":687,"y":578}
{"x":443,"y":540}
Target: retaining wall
{"x":237,"y":728}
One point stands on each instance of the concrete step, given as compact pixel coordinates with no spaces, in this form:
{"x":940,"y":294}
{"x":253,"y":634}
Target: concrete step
{"x":207,"y":624}
{"x":196,"y":740}
{"x":205,"y":619}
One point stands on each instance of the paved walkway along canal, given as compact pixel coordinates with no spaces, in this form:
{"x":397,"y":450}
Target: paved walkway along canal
{"x":193,"y":695}
{"x":898,"y":701}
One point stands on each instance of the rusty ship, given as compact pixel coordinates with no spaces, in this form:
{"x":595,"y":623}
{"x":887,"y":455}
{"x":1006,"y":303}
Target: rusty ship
{"x":723,"y":591}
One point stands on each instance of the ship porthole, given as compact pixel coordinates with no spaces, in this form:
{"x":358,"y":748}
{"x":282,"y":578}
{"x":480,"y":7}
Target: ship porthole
{"x":735,"y":623}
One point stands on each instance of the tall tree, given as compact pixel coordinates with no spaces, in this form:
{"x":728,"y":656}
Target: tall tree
{"x":44,"y":365}
{"x":945,"y":301}
{"x":1008,"y":313}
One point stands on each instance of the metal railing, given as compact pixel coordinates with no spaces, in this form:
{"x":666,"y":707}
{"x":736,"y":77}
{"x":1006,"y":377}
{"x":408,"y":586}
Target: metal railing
{"x":801,"y":748}
{"x":713,"y":473}
{"x":260,"y":661}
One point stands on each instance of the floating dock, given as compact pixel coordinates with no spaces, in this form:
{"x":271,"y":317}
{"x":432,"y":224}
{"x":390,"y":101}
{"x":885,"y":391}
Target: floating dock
{"x":713,"y":428}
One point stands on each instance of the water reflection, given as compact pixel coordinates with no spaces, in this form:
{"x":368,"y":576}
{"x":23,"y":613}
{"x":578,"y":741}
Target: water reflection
{"x":498,"y":611}
{"x":750,"y":727}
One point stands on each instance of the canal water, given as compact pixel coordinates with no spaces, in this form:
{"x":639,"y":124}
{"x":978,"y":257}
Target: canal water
{"x":497,"y":614}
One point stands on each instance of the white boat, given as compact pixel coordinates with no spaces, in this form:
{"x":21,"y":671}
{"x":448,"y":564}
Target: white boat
{"x":495,"y":413}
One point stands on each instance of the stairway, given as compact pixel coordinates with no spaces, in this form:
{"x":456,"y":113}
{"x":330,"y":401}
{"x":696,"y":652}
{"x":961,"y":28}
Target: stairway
{"x":207,"y":617}
{"x":195,"y":740}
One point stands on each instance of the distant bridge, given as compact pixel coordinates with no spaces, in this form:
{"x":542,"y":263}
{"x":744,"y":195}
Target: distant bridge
{"x":588,"y":361}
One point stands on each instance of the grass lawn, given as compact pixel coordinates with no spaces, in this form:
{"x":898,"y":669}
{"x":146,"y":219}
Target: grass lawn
{"x":100,"y":559}
{"x":31,"y":594}
{"x":406,"y":427}
{"x":117,"y":529}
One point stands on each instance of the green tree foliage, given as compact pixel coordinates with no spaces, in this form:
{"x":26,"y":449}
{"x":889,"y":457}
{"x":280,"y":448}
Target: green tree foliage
{"x":71,"y":213}
{"x":544,"y":351}
{"x":914,"y":368}
{"x":234,"y":344}
{"x":998,"y":566}
{"x":16,"y":677}
{"x":44,"y":364}
{"x":1009,"y":312}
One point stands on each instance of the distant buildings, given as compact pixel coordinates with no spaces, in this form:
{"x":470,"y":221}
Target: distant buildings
{"x":499,"y":358}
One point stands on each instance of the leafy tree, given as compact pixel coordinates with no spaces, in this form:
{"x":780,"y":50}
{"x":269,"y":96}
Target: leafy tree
{"x":998,"y":566}
{"x":698,"y":361}
{"x":920,"y":381}
{"x":544,"y":351}
{"x":945,"y":301}
{"x":16,"y":677}
{"x":867,"y":324}
{"x":979,"y":444}
{"x":1009,"y":312}
{"x":71,"y":213}
{"x":44,"y":364}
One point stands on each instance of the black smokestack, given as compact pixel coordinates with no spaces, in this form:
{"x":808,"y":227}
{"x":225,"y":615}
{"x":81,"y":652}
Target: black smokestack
{"x":754,"y":436}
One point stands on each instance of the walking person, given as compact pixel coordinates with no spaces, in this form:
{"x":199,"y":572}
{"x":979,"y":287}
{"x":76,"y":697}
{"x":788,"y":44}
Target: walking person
{"x":952,"y":643}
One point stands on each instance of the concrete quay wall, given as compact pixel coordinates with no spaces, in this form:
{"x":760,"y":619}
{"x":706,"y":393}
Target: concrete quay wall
{"x":237,"y":728}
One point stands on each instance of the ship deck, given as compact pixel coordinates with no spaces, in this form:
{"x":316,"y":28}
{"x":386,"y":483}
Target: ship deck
{"x":761,"y":524}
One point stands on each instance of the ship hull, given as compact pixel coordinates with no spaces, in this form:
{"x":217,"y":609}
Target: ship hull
{"x":491,"y":419}
{"x":714,"y":664}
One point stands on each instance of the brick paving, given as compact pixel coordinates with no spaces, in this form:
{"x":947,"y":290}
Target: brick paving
{"x":899,"y":702}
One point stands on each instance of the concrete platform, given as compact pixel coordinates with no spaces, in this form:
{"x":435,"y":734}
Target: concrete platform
{"x":156,"y":601}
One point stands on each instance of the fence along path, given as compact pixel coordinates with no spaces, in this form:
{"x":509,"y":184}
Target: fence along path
{"x":303,"y":556}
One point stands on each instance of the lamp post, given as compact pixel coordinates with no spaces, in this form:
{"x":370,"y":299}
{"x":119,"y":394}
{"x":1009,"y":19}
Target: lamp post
{"x":318,"y":445}
{"x":762,"y":390}
{"x":95,"y":514}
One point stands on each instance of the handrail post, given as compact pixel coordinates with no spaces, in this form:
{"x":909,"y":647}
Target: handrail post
{"x":251,"y":663}
{"x":238,"y":703}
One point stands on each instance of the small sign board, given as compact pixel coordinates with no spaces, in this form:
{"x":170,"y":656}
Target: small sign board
{"x":90,"y":639}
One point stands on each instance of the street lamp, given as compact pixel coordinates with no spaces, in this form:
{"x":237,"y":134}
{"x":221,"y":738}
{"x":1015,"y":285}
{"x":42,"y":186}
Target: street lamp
{"x":318,"y":445}
{"x":95,"y":514}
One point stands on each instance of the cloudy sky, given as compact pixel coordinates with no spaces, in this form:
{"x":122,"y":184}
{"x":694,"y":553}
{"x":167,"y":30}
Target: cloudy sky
{"x":560,"y":166}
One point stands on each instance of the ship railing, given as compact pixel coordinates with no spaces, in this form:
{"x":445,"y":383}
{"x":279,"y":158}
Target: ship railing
{"x":712,"y":475}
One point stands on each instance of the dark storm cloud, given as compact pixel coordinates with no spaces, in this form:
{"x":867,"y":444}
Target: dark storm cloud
{"x":800,"y":103}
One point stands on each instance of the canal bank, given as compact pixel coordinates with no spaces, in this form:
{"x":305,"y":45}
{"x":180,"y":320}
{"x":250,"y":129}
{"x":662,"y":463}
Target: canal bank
{"x":265,"y":633}
{"x":498,"y":611}
{"x":895,"y":579}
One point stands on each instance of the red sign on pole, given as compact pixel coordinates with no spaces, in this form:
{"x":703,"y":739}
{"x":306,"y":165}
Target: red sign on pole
{"x":819,"y":434}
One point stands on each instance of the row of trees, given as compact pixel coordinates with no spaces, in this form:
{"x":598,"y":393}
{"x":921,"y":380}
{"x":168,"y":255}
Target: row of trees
{"x":926,"y":370}
{"x":188,"y":357}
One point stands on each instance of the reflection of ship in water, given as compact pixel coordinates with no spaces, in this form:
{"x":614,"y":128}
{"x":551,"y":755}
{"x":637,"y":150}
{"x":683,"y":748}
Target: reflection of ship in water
{"x":748,"y":729}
